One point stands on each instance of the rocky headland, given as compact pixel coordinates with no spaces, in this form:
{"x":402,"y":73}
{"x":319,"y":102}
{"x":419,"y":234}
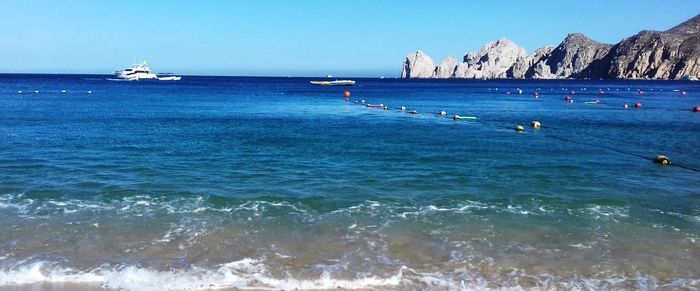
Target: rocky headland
{"x":672,"y":54}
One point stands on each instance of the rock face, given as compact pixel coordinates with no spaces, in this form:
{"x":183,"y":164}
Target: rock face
{"x":418,"y":65}
{"x":574,"y":55}
{"x":672,"y":54}
{"x":495,"y":58}
{"x":522,"y":67}
{"x":445,"y":69}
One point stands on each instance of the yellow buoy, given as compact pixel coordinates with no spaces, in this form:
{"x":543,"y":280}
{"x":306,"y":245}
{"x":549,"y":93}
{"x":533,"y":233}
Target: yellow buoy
{"x":519,"y":128}
{"x":536,"y":124}
{"x":662,"y":160}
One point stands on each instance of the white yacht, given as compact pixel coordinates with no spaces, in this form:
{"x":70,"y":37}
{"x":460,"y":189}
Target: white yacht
{"x":142,"y":72}
{"x":136,"y":72}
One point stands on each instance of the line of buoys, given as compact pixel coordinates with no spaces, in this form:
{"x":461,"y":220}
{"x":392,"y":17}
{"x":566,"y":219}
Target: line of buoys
{"x":536,"y":124}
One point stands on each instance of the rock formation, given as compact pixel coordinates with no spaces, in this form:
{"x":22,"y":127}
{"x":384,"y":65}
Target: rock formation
{"x":418,"y":65}
{"x":445,"y":69}
{"x":672,"y":54}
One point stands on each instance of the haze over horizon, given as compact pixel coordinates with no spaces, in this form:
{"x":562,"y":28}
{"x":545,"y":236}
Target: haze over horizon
{"x":279,"y":38}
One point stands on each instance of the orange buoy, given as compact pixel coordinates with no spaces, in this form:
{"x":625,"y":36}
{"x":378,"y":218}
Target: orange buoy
{"x":637,"y":105}
{"x":696,"y":109}
{"x":347,"y":94}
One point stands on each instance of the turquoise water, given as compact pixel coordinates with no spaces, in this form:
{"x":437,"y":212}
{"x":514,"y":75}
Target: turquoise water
{"x":271,"y":183}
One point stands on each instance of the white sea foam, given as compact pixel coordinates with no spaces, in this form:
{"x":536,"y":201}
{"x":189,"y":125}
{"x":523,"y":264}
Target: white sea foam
{"x":248,"y":273}
{"x":243,"y":274}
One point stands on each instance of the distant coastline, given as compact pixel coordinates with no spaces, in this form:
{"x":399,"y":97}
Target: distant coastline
{"x":673,"y":54}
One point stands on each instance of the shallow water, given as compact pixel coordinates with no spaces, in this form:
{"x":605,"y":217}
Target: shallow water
{"x":271,"y":183}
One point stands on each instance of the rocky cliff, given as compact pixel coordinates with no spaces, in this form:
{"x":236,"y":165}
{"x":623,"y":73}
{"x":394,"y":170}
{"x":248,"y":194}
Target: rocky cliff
{"x":418,"y":65}
{"x":672,"y":54}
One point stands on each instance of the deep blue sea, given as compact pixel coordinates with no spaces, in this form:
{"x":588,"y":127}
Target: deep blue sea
{"x":273,"y":183}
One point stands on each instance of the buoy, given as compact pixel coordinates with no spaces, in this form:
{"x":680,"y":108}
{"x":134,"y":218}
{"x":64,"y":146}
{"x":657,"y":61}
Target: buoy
{"x":89,"y":92}
{"x":36,"y":91}
{"x":414,"y":112}
{"x":19,"y":92}
{"x":386,"y":107}
{"x":684,"y":93}
{"x":640,"y":92}
{"x":572,"y":92}
{"x":662,"y":160}
{"x":597,"y":101}
{"x":626,"y":106}
{"x":443,"y":113}
{"x":601,"y":92}
{"x":363,"y":101}
{"x":347,"y":94}
{"x":508,"y":93}
{"x":571,"y":100}
{"x":536,"y":94}
{"x":519,"y":128}
{"x":567,"y":98}
{"x":63,"y":91}
{"x":696,"y":109}
{"x":520,"y":91}
{"x":536,"y":124}
{"x":637,"y":105}
{"x":403,"y":108}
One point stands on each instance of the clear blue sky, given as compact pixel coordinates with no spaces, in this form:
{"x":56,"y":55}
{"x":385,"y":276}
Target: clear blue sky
{"x":299,"y":38}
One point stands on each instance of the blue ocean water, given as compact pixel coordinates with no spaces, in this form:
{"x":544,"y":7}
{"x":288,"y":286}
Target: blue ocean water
{"x":272,"y":183}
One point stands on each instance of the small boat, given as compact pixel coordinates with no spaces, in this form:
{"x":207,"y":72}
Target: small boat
{"x":168,"y":77}
{"x":334,"y":83}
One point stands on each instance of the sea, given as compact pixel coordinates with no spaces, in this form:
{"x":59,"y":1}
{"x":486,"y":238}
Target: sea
{"x":260,"y":183}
